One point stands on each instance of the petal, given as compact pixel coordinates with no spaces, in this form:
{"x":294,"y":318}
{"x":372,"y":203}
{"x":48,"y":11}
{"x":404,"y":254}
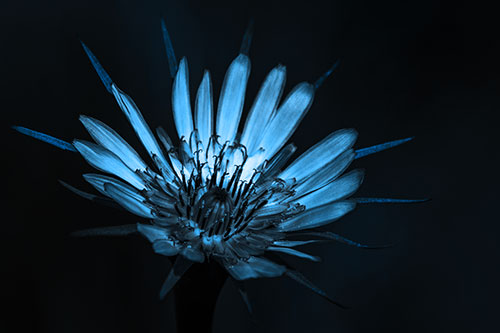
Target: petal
{"x":293,"y":252}
{"x":255,"y":267}
{"x":287,"y":118}
{"x":263,"y":108}
{"x":129,"y":199}
{"x":326,"y":174}
{"x":317,"y":217}
{"x":165,"y":247}
{"x":104,"y":160}
{"x":152,"y":233}
{"x":109,"y":139}
{"x":336,"y":190}
{"x":232,"y":98}
{"x":204,"y":110}
{"x":181,"y":103}
{"x":316,"y":157}
{"x":180,"y":267}
{"x":142,"y":129}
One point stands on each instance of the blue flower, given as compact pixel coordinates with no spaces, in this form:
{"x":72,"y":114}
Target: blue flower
{"x":222,"y":195}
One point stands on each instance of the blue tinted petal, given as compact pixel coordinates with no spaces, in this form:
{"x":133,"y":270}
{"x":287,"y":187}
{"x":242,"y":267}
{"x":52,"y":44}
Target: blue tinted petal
{"x":388,"y":200}
{"x":375,"y":149}
{"x":293,"y":252}
{"x":142,"y":129}
{"x":262,"y":109}
{"x":317,"y":217}
{"x":255,"y":267}
{"x":326,"y":174}
{"x":115,"y":231}
{"x":298,"y":277}
{"x":45,"y":138}
{"x":204,"y":110}
{"x":165,"y":247}
{"x":104,"y":160}
{"x":287,"y":118}
{"x":172,"y":60}
{"x":336,"y":190}
{"x":319,"y":155}
{"x":180,"y":267}
{"x":129,"y":199}
{"x":181,"y":103}
{"x":112,"y":141}
{"x":232,"y":97}
{"x":152,"y":233}
{"x":106,"y":80}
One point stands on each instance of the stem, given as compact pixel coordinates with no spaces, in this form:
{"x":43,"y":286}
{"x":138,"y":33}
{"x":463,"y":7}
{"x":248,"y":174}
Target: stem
{"x":196,"y":296}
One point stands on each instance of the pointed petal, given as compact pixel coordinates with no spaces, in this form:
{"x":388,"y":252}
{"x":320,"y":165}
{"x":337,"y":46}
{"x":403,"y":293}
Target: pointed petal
{"x":180,"y":267}
{"x":319,"y":155}
{"x":255,"y":267}
{"x":172,"y":60}
{"x":388,"y":200}
{"x":129,"y":199}
{"x":317,"y":217}
{"x":298,"y":277}
{"x":289,"y":243}
{"x":181,"y":103}
{"x":287,"y":118}
{"x":104,"y":160}
{"x":323,"y":77}
{"x":330,"y":236}
{"x":232,"y":97}
{"x":247,"y":38}
{"x":336,"y":190}
{"x":120,"y":230}
{"x":240,"y":285}
{"x":377,"y":148}
{"x":141,"y":128}
{"x":262,"y":109}
{"x":106,"y":80}
{"x":91,"y":197}
{"x":204,"y":110}
{"x":293,"y":252}
{"x":45,"y":138}
{"x":112,"y":141}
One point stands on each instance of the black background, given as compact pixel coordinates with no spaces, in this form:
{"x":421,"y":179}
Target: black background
{"x":420,"y":68}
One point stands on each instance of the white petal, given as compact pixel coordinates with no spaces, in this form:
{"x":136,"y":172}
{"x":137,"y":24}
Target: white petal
{"x":204,"y":110}
{"x":263,"y":108}
{"x":232,"y":98}
{"x":319,"y":155}
{"x":317,"y":217}
{"x":129,"y":199}
{"x":112,"y":141}
{"x":181,"y":103}
{"x":336,"y":190}
{"x":141,"y":128}
{"x":287,"y":118}
{"x":104,"y":160}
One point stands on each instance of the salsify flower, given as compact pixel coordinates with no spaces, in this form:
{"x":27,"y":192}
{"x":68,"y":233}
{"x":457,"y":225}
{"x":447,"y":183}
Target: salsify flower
{"x":223,"y":195}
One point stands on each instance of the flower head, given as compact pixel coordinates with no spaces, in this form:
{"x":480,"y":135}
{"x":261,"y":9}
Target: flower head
{"x":220,"y":194}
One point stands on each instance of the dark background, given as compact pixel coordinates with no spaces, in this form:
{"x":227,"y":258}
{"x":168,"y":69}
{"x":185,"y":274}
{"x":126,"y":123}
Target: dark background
{"x":420,"y":68}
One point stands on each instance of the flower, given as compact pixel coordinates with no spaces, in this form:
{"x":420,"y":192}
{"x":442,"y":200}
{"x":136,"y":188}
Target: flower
{"x":220,"y":194}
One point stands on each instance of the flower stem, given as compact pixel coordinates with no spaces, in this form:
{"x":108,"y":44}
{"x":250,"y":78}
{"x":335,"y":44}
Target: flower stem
{"x":196,"y":296}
